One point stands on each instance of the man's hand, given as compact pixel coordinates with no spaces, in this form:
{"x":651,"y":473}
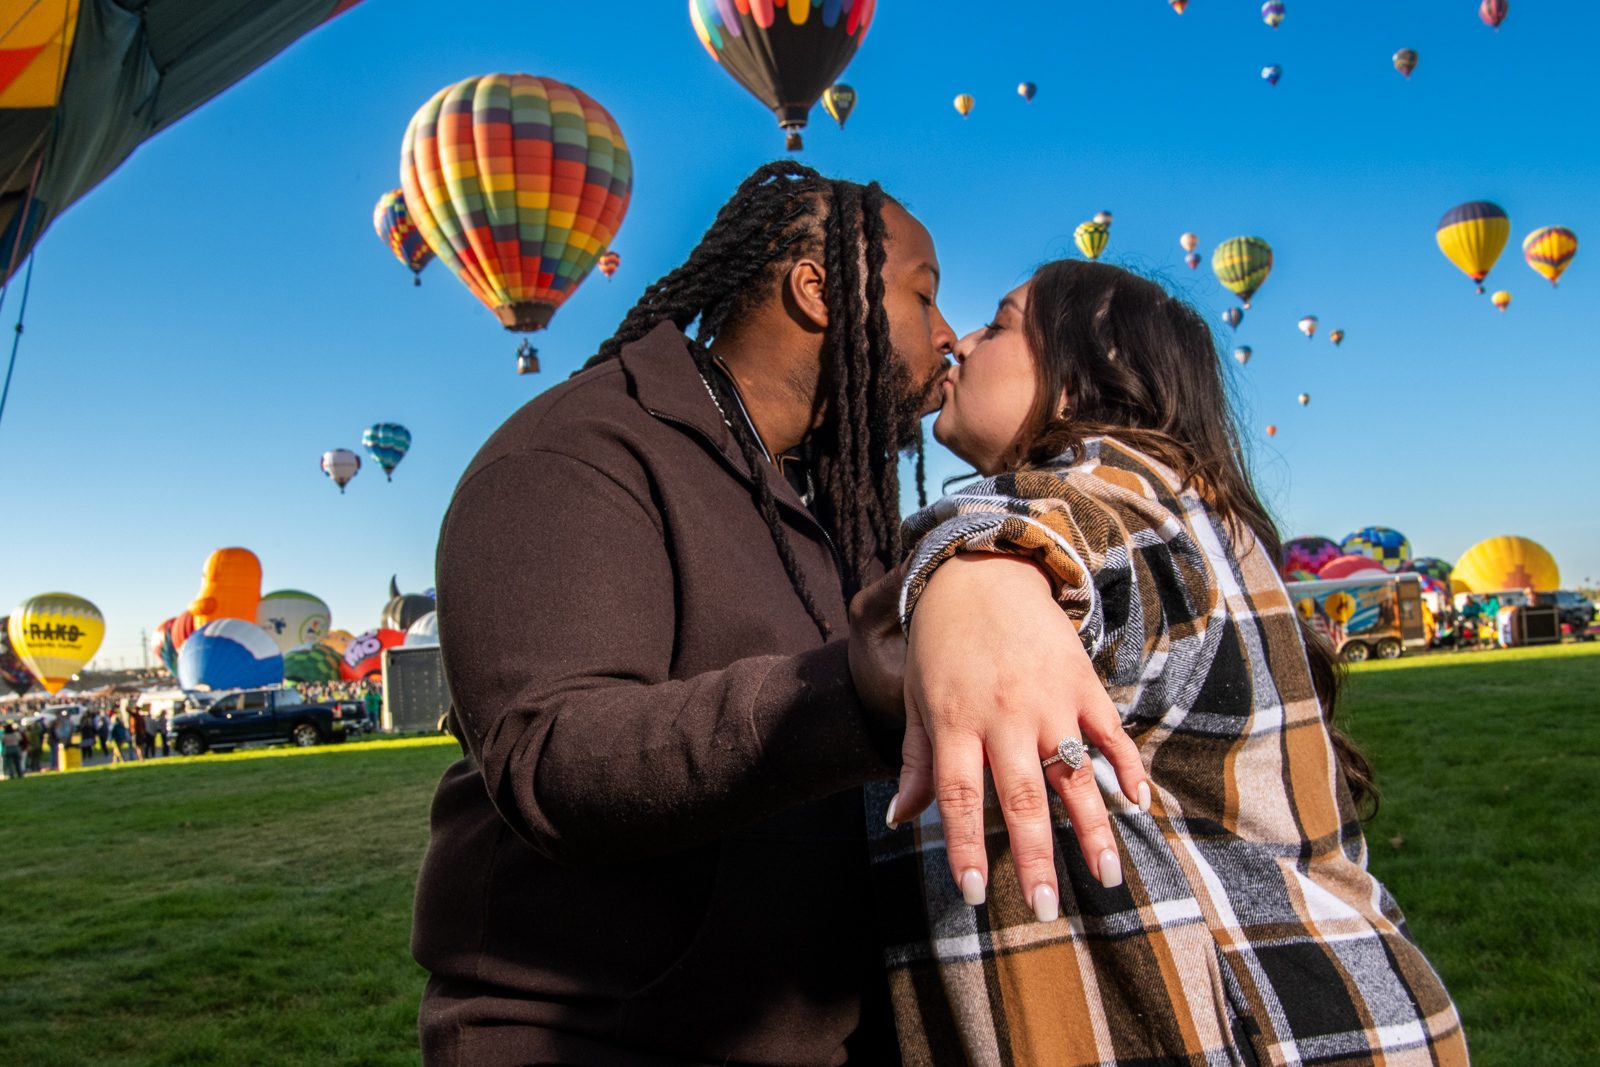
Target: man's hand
{"x":996,"y":673}
{"x":878,"y":659}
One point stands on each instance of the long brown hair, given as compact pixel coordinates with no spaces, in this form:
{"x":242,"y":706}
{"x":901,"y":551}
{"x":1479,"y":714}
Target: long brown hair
{"x":1142,"y":366}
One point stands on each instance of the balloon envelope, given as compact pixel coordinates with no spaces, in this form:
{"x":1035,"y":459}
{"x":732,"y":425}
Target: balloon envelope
{"x":425,"y":631}
{"x":387,"y":443}
{"x":787,"y":54}
{"x":1386,"y":546}
{"x":55,"y":634}
{"x":1091,"y":238}
{"x":964,"y":103}
{"x":1272,"y":13}
{"x":1494,"y":12}
{"x":341,"y":465}
{"x":1272,"y":74}
{"x":393,"y":223}
{"x":363,"y":656}
{"x":311,"y":663}
{"x":1501,"y":299}
{"x":230,"y":587}
{"x":229,"y":654}
{"x":1336,"y":336}
{"x":293,"y":618}
{"x":13,"y":672}
{"x":609,"y":263}
{"x":1233,"y":316}
{"x":1549,"y":250}
{"x":838,"y":100}
{"x":1242,"y":264}
{"x":1405,"y":61}
{"x":1027,"y":90}
{"x":1189,"y":241}
{"x":1505,"y":563}
{"x":1243,"y":354}
{"x":519,"y":184}
{"x":1472,"y":235}
{"x":1308,"y":325}
{"x":1351,"y":567}
{"x":1433,"y":568}
{"x":1309,"y":554}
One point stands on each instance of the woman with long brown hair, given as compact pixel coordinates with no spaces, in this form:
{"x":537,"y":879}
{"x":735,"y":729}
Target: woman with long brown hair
{"x":1226,"y":916}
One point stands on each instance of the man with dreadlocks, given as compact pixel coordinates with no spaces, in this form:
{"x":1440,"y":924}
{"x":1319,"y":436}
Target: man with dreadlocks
{"x":654,"y":850}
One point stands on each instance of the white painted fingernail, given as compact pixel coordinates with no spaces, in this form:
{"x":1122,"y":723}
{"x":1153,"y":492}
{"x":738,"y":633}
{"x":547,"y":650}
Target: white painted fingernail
{"x":889,"y":815}
{"x":1144,"y":797}
{"x":1110,"y":869}
{"x":972,"y":888}
{"x":1045,"y":906}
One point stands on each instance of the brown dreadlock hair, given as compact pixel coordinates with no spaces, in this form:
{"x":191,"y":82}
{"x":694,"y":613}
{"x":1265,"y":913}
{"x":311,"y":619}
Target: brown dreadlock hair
{"x":781,"y":213}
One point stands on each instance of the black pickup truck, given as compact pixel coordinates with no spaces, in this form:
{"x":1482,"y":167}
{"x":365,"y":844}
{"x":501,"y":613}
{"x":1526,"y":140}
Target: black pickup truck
{"x":265,"y":716}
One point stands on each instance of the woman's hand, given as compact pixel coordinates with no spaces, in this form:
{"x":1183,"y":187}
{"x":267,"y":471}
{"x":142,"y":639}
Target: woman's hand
{"x":995,"y":671}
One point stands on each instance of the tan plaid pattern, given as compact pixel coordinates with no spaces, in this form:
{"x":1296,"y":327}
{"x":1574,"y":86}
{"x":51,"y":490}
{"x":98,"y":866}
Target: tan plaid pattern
{"x":1247,"y":930}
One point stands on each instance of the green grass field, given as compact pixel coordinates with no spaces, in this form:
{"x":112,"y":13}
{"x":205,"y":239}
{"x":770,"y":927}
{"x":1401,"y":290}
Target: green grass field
{"x":255,"y":908}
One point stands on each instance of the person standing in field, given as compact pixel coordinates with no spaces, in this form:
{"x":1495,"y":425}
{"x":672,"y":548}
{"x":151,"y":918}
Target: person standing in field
{"x":11,"y":747}
{"x":35,"y":735}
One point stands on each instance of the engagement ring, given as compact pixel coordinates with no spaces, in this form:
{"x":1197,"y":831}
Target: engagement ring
{"x":1069,"y":751}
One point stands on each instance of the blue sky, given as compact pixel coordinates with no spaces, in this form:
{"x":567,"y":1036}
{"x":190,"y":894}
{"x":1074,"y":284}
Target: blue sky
{"x":219,"y":312}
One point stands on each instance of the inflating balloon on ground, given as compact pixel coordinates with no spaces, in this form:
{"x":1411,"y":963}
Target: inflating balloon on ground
{"x":293,"y":618}
{"x":229,"y":653}
{"x":54,"y":635}
{"x":1386,"y":546}
{"x":230,"y":587}
{"x":1505,"y":563}
{"x":1309,"y":554}
{"x":363,"y":656}
{"x":13,"y":672}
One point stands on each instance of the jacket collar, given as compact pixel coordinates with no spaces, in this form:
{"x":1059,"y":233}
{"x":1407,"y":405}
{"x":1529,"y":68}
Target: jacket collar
{"x":668,"y":385}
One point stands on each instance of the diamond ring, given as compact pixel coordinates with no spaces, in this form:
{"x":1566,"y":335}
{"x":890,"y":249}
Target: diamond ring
{"x":1070,"y":751}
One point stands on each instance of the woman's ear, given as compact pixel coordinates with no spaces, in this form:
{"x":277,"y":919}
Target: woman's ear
{"x":803,"y":294}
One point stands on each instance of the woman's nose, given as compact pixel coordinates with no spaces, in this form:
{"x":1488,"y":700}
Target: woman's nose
{"x":965,"y":346}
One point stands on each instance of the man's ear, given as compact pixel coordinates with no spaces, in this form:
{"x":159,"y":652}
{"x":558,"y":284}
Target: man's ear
{"x":803,"y":293}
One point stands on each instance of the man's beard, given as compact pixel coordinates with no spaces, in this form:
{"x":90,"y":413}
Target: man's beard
{"x":907,"y":401}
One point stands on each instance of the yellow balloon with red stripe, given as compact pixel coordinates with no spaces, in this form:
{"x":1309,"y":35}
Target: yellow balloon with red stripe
{"x":1549,"y":250}
{"x":55,"y":634}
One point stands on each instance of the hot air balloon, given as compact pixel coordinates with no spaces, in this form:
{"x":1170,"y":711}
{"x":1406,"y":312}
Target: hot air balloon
{"x":785,"y":55}
{"x":1309,"y":554}
{"x":1549,"y":250}
{"x":1233,"y":316}
{"x":341,"y":465}
{"x":1434,"y":568}
{"x":1494,"y":12}
{"x":229,"y":654}
{"x":1242,"y":264}
{"x":1026,"y":91}
{"x":609,"y":263}
{"x":1091,"y":238}
{"x":1505,"y":563}
{"x":230,"y":587}
{"x":1104,"y":218}
{"x":838,"y":100}
{"x":1304,"y":398}
{"x":394,"y":225}
{"x":1386,"y":546}
{"x":1501,"y":299}
{"x":1353,"y":565}
{"x":183,"y":627}
{"x":403,"y":609}
{"x":1243,"y":354}
{"x":1336,"y":336}
{"x":13,"y":672}
{"x":363,"y":656}
{"x":292,"y":618}
{"x":519,"y":183}
{"x":964,"y":104}
{"x":338,"y":640}
{"x":54,"y":635}
{"x":1192,"y":259}
{"x":1472,"y":236}
{"x":1272,"y":72}
{"x":387,"y":443}
{"x":1272,"y":13}
{"x":425,"y":631}
{"x":1405,"y":61}
{"x":1308,"y":325}
{"x":1189,"y":242}
{"x":1178,"y":5}
{"x":313,"y":663}
{"x":1272,"y":431}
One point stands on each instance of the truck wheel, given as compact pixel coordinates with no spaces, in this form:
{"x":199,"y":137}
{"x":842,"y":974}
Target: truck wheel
{"x":190,"y":745}
{"x":1356,"y":652}
{"x":1389,"y":648}
{"x":305,"y":734}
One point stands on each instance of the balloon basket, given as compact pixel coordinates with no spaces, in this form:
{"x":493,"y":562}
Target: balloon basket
{"x":527,"y":359}
{"x":792,"y":141}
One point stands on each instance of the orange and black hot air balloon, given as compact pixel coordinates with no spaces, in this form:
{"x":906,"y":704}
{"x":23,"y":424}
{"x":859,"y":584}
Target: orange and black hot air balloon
{"x":784,"y":53}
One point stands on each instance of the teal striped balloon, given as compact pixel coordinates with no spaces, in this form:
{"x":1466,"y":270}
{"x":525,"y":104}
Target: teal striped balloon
{"x":387,"y":443}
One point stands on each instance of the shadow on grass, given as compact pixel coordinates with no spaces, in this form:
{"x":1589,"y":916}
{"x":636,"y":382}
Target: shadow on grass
{"x":1488,"y":764}
{"x":218,"y":910}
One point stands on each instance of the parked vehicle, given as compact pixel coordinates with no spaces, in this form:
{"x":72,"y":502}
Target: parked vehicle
{"x":1576,"y":610}
{"x":1366,"y":616}
{"x":264,"y":716}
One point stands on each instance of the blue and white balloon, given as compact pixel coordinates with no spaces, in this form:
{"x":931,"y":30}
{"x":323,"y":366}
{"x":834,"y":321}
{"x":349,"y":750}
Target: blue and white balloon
{"x":229,"y":654}
{"x":387,"y":443}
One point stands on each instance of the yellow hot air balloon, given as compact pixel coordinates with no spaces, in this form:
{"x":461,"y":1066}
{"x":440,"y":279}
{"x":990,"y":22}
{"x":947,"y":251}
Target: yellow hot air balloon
{"x":1501,"y":299}
{"x":1505,"y":563}
{"x":55,"y":634}
{"x":1549,"y":249}
{"x":964,"y":104}
{"x":1472,"y":237}
{"x":1091,"y":238}
{"x":1242,"y":264}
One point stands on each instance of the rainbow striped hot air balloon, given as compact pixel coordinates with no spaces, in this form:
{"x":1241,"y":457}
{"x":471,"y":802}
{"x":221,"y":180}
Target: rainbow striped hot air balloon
{"x":519,"y":184}
{"x":1472,"y":236}
{"x":1091,"y":238}
{"x":1242,"y":264}
{"x":1549,"y":250}
{"x":393,"y":223}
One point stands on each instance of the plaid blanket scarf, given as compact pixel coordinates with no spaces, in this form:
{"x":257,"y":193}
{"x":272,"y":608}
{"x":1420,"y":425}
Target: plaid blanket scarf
{"x":1247,"y":930}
